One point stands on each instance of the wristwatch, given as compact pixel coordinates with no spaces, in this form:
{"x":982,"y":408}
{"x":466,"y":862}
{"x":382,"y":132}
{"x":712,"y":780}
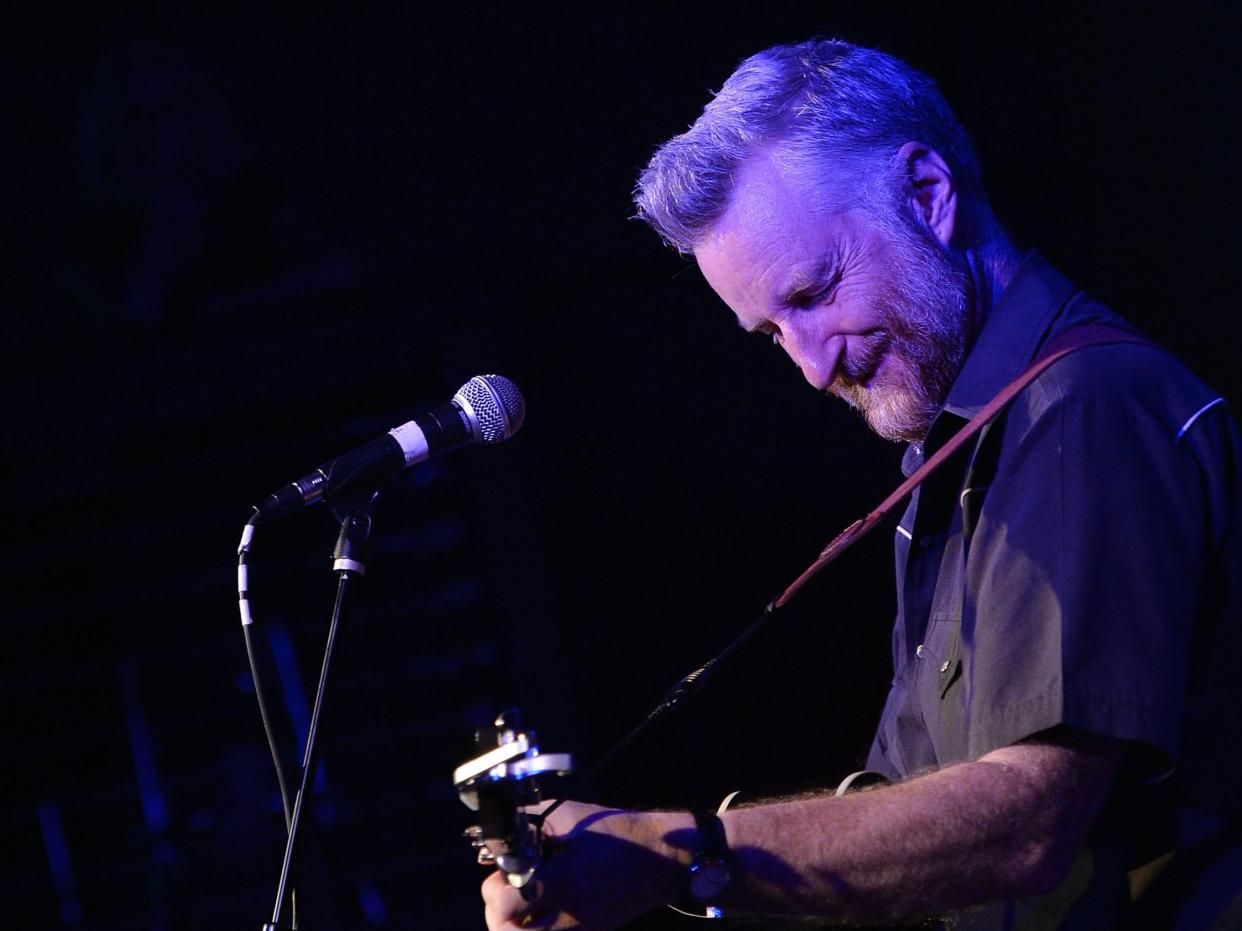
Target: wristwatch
{"x":711,"y":872}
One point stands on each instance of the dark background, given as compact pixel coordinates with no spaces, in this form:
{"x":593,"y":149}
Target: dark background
{"x":244,"y":240}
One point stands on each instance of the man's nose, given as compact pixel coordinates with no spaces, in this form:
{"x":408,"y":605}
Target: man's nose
{"x":807,"y":353}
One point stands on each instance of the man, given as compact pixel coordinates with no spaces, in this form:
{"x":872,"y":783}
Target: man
{"x":1068,"y":584}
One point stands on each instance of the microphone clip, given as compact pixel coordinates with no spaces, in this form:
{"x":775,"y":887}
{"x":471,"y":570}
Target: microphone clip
{"x":356,"y":513}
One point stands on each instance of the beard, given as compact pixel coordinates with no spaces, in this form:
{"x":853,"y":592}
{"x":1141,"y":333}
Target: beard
{"x":926,"y":313}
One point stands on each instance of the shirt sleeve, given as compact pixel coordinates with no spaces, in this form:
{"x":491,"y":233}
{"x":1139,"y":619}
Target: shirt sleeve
{"x":1084,"y":572}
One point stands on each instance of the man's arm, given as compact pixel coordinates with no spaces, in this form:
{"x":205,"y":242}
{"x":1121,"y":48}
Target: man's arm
{"x":1007,"y":824}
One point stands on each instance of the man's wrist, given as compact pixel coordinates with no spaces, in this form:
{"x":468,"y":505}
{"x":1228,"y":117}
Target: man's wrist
{"x":670,"y":835}
{"x":711,"y":873}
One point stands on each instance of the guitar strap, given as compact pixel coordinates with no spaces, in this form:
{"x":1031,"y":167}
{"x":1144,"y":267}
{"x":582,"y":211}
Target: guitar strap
{"x":1069,"y":341}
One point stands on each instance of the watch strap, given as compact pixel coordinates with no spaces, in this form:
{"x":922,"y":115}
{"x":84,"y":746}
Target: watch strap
{"x":712,"y":841}
{"x":711,"y":854}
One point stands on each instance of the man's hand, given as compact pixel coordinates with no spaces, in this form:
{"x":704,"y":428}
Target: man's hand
{"x":605,"y":867}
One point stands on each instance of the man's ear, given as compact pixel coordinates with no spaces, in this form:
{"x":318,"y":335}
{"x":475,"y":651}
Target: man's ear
{"x":930,"y":186}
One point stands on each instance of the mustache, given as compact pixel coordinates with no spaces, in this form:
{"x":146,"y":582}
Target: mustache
{"x":861,"y":362}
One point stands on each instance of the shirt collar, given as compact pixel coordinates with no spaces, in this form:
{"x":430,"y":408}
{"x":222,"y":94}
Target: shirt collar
{"x":1011,"y":335}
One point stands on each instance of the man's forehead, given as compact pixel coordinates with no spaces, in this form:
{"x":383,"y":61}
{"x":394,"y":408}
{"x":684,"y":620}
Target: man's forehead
{"x":765,"y":191}
{"x":771,"y":199}
{"x":775,"y":227}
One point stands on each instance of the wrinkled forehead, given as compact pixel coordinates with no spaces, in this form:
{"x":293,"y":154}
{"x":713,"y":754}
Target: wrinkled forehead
{"x":771,"y":236}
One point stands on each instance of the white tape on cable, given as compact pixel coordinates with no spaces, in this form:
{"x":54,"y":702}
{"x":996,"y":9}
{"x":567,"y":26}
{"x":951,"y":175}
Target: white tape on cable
{"x":412,"y":441}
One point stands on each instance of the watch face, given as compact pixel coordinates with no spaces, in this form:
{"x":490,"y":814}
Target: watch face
{"x":709,"y":879}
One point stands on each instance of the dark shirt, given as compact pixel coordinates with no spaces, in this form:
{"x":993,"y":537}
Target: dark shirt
{"x":1078,"y":565}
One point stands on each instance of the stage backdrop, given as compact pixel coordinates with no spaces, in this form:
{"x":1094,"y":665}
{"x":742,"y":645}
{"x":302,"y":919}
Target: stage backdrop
{"x":245,"y":240}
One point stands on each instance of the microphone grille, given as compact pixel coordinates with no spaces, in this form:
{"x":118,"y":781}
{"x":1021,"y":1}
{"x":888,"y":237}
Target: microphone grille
{"x":498,"y":406}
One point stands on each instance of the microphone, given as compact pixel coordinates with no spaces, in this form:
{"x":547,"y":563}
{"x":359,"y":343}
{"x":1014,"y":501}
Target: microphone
{"x":486,"y":410}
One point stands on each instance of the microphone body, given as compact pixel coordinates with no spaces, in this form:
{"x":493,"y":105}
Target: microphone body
{"x":486,"y":410}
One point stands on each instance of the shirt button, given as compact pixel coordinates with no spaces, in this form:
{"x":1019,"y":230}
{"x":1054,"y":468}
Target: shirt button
{"x":944,"y":667}
{"x":918,"y":651}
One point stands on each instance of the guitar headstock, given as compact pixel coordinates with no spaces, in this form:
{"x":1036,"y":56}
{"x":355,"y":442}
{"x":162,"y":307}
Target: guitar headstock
{"x":502,"y":784}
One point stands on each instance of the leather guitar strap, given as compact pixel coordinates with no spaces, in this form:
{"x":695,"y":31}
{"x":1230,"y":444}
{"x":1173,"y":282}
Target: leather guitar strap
{"x":1063,"y":345}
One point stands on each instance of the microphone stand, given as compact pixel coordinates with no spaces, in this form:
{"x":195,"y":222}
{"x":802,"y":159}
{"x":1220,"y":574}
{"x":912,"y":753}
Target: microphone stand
{"x":356,"y":514}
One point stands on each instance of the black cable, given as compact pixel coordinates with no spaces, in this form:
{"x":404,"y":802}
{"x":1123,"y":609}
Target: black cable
{"x":685,"y":687}
{"x":243,"y":597}
{"x":285,"y":801}
{"x":243,"y":600}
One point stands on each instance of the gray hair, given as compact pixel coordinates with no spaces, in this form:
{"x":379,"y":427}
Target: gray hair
{"x":821,"y":101}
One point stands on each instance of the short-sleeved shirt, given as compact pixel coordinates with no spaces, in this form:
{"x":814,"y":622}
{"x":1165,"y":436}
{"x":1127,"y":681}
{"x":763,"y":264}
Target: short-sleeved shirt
{"x":1078,"y":565}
